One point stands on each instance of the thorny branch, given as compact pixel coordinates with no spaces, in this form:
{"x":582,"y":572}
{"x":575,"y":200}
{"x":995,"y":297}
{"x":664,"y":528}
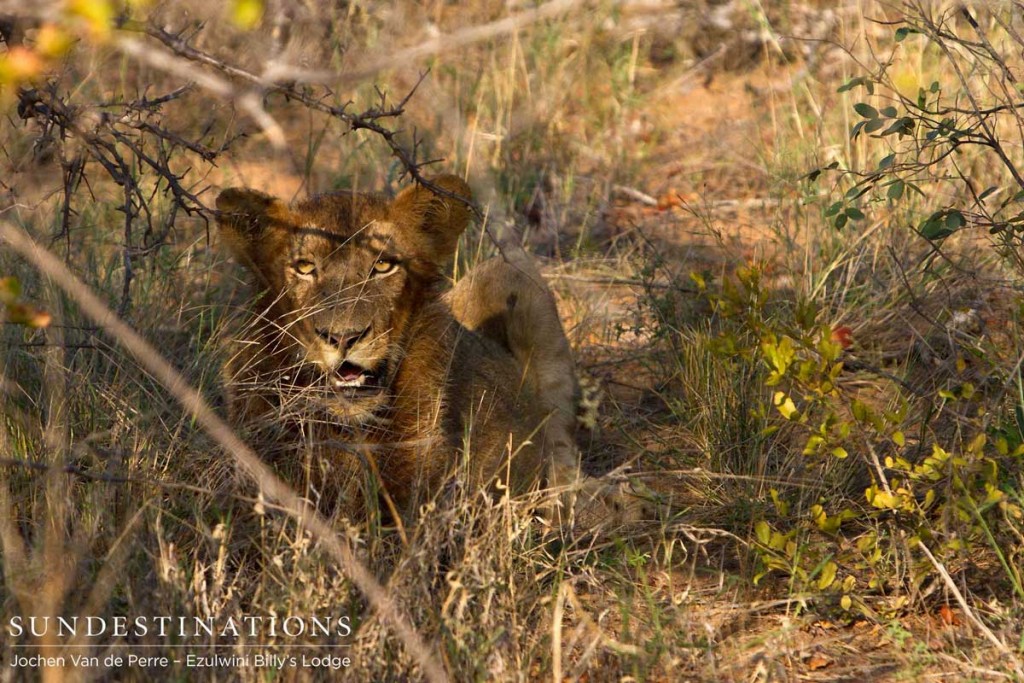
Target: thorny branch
{"x":137,"y":149}
{"x":367,"y":120}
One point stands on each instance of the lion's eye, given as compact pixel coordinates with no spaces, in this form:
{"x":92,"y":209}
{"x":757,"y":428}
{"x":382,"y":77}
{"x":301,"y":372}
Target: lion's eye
{"x":303,"y":267}
{"x":383,"y":267}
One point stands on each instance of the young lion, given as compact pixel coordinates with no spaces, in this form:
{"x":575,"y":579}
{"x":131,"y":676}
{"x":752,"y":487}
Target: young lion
{"x":359,"y":374}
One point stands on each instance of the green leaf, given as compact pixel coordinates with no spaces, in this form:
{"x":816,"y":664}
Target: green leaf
{"x":942,"y":224}
{"x":779,"y":354}
{"x":955,"y":220}
{"x":888,"y":112}
{"x":865,"y":110}
{"x":855,"y":214}
{"x":886,"y":161}
{"x":896,"y":189}
{"x":873,"y":125}
{"x":903,"y":126}
{"x":851,"y":84}
{"x":988,"y":191}
{"x":902,"y":32}
{"x":857,"y":191}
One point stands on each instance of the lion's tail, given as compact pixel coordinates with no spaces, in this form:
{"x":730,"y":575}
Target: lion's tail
{"x":508,"y":300}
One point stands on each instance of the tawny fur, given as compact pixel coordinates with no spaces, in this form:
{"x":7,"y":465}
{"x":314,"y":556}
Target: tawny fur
{"x":479,"y":380}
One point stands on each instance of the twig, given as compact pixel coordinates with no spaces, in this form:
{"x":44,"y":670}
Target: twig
{"x":105,"y":477}
{"x":622,"y":282}
{"x":248,"y":102}
{"x":962,"y":601}
{"x":636,"y":195}
{"x":855,"y":364}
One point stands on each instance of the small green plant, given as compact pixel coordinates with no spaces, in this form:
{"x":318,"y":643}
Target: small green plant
{"x":847,"y":527}
{"x":952,"y":131}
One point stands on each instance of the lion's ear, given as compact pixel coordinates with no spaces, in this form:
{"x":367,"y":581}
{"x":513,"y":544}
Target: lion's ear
{"x":440,"y":219}
{"x":243,"y":216}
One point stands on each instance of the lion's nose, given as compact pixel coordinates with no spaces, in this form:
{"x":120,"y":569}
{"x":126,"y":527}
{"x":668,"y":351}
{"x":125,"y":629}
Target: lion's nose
{"x":343,"y":341}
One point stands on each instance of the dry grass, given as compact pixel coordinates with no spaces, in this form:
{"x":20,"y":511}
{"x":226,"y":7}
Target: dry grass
{"x":628,"y":145}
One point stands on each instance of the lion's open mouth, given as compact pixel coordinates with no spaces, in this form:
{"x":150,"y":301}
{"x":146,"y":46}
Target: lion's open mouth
{"x":347,"y":378}
{"x":351,"y":376}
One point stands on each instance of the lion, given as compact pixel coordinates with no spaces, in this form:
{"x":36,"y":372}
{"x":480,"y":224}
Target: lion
{"x":359,"y":372}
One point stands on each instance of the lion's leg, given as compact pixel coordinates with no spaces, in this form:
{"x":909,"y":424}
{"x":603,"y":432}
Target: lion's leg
{"x":511,"y":304}
{"x":604,"y":503}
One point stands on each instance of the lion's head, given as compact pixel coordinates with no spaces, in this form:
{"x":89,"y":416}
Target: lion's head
{"x":343,"y":275}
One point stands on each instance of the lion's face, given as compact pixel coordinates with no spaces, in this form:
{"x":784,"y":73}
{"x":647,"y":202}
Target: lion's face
{"x":343,"y":276}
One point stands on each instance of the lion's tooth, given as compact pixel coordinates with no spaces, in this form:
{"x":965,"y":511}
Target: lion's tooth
{"x":357,"y":382}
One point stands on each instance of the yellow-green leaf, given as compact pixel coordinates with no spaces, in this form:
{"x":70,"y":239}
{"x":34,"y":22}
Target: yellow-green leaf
{"x":813,"y":442}
{"x":21,"y":314}
{"x":819,"y":515}
{"x":98,"y":15}
{"x":780,"y":505}
{"x":763,"y":532}
{"x":52,"y":42}
{"x":246,"y":13}
{"x":977,"y":443}
{"x":10,"y":290}
{"x":785,"y":405}
{"x":828,"y":575}
{"x":880,"y":499}
{"x":992,"y":495}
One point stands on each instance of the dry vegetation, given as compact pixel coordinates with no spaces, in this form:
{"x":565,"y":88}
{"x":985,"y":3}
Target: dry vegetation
{"x":825,"y":408}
